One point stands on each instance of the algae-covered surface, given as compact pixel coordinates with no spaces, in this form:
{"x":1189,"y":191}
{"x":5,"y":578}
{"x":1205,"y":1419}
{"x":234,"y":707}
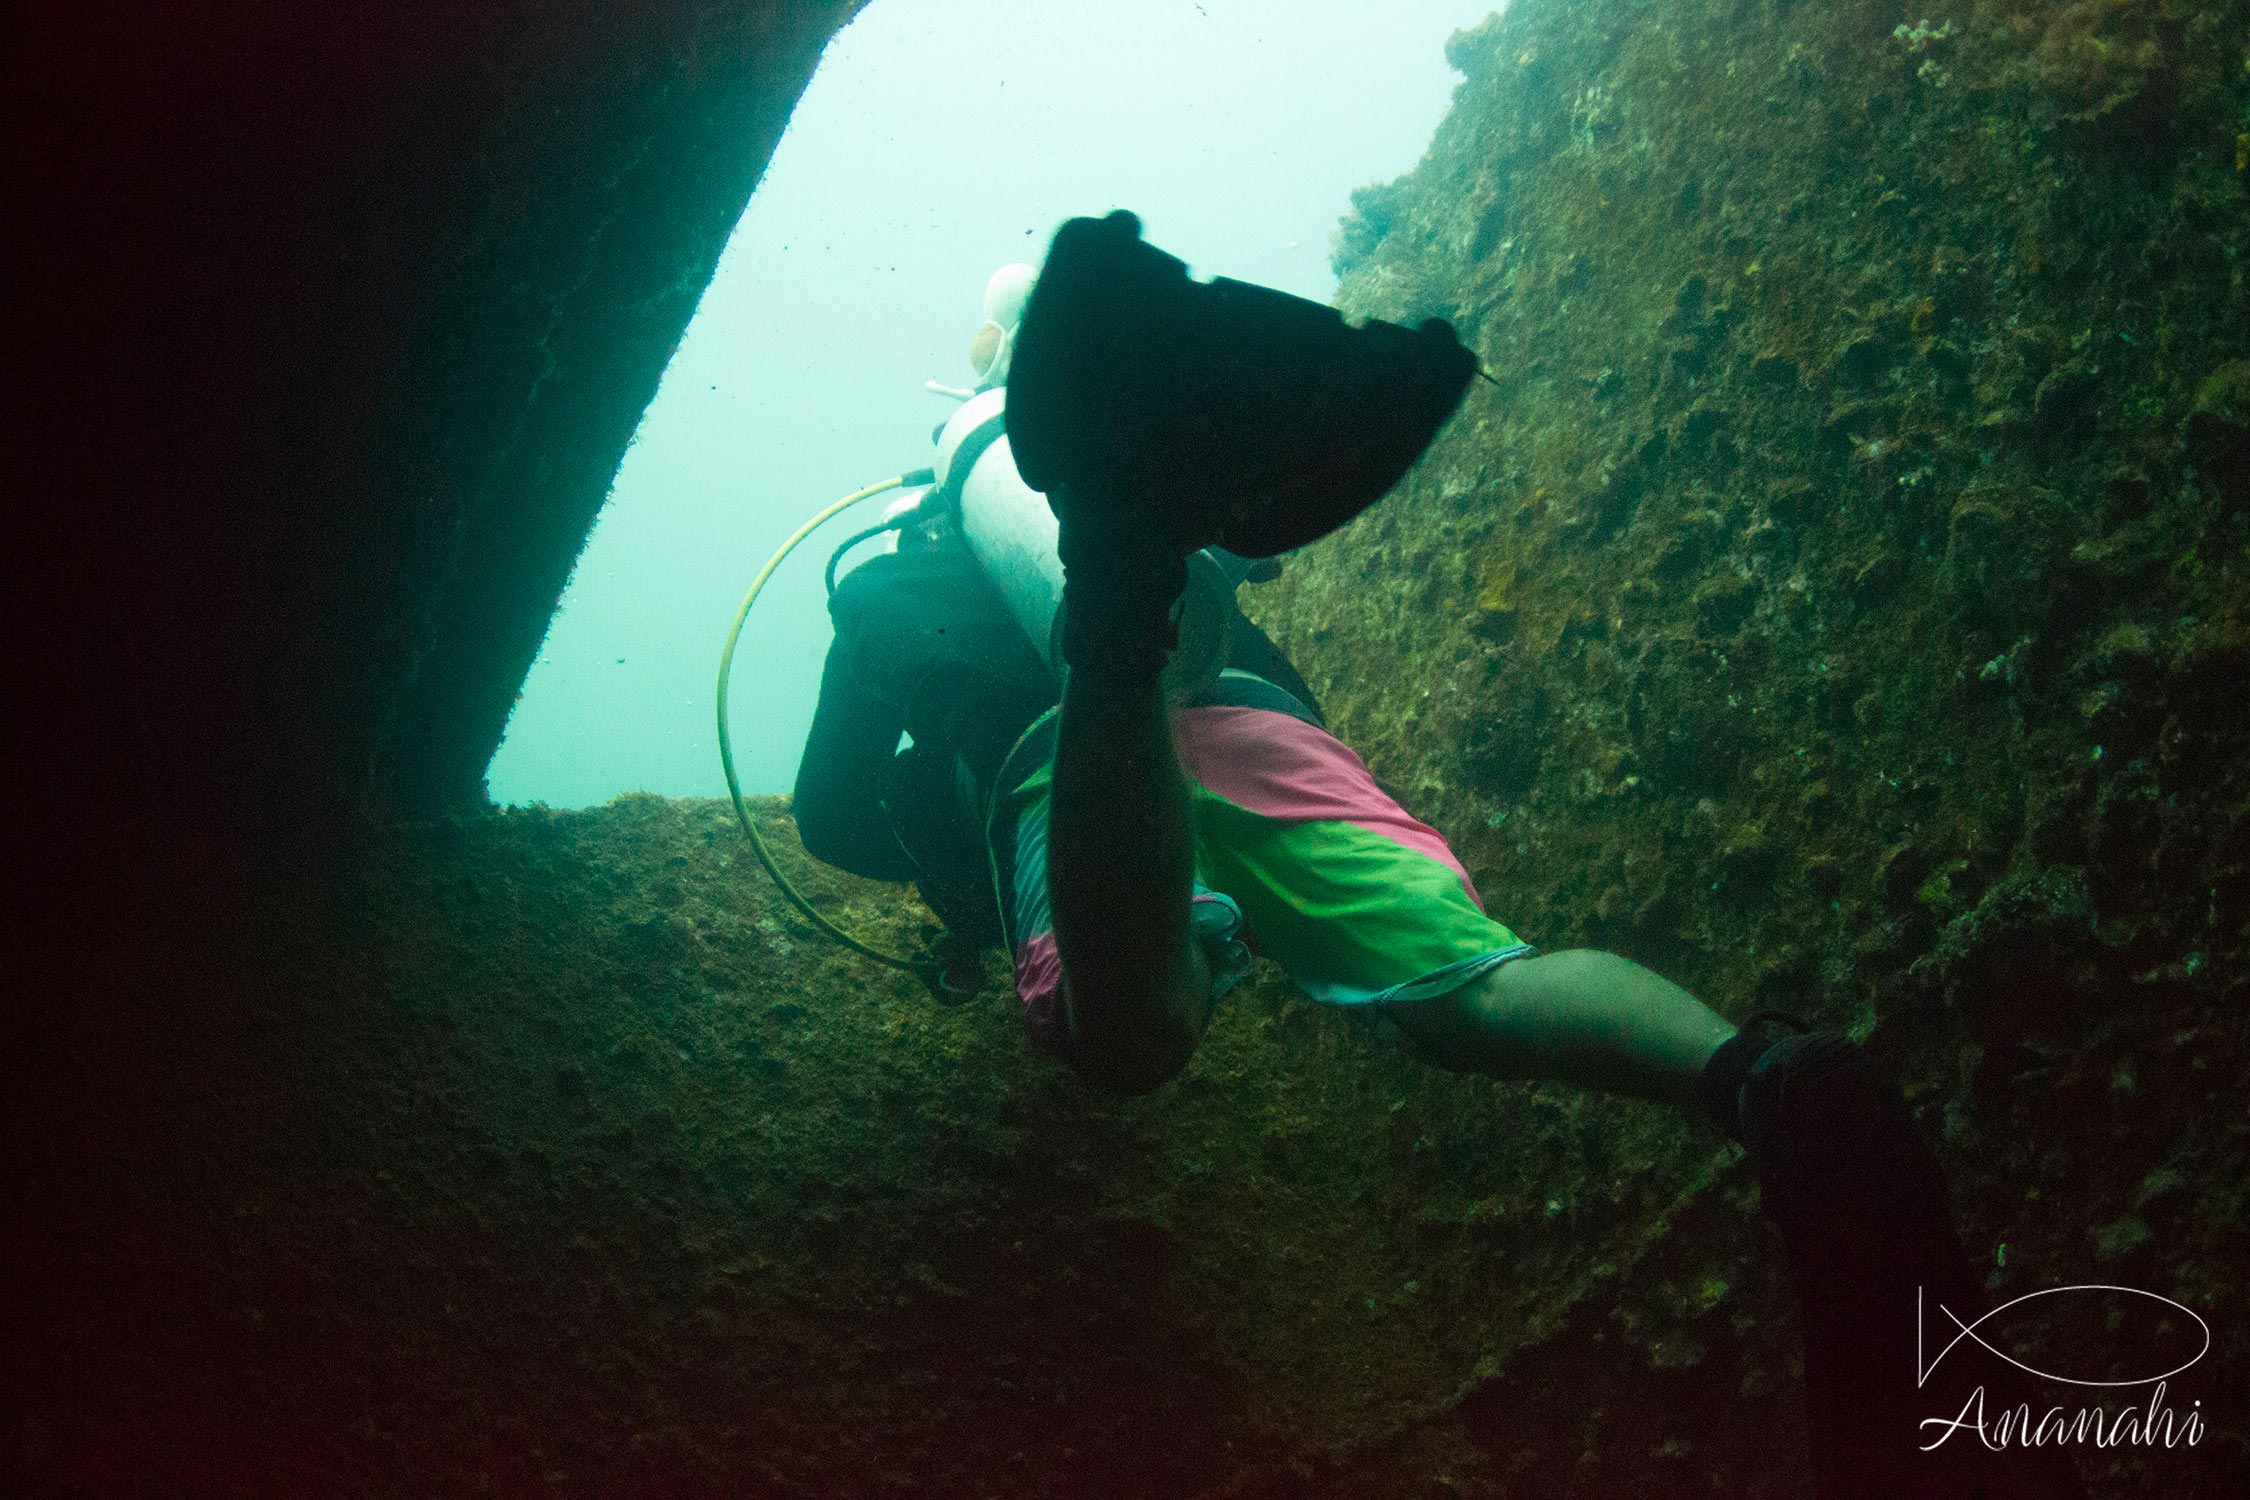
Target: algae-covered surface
{"x":1840,"y":601}
{"x":553,"y":1150}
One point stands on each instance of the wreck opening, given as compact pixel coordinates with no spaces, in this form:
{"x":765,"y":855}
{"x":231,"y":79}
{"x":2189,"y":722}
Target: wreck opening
{"x":935,"y":142}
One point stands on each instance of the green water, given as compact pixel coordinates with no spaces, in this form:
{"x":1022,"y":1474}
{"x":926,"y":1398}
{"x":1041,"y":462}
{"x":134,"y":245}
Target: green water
{"x":940,"y":139}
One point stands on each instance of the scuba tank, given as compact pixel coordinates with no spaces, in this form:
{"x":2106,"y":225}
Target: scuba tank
{"x":1012,"y":532}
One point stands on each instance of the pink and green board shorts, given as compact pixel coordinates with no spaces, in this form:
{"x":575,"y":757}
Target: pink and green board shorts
{"x":1299,"y":857}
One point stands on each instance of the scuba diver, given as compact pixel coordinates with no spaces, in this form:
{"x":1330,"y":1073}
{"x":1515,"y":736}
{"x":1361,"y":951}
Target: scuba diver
{"x":1113,"y":774}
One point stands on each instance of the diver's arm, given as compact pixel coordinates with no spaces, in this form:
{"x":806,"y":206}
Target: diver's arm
{"x":839,"y":805}
{"x":1120,"y":857}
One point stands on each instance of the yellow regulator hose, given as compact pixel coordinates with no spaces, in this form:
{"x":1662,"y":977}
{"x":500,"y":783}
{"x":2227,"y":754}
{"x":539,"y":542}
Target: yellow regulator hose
{"x":726,"y":744}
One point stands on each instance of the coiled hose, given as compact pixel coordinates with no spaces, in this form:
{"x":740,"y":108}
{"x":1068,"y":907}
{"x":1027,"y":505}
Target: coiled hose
{"x":726,"y":742}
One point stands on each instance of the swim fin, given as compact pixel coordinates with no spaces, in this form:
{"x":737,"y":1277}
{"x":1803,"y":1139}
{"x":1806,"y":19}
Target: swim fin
{"x":1860,"y":1201}
{"x":1218,"y":413}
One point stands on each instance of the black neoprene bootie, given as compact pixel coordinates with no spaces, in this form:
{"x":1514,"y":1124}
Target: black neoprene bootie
{"x":1846,"y":1176}
{"x":1728,"y":1069}
{"x":1860,"y":1202}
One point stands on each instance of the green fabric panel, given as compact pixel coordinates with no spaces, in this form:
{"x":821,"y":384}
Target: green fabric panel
{"x":1338,"y":902}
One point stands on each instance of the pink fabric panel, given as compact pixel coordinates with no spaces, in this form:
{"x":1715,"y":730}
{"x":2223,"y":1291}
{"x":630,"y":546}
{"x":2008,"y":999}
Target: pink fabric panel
{"x":1283,"y":768}
{"x":1039,"y":986}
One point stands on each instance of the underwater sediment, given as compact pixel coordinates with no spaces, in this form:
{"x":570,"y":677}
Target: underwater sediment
{"x":550,"y":1150}
{"x":1838,"y":605}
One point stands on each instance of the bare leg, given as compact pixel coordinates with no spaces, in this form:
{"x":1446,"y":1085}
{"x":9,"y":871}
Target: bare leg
{"x":1120,"y":846}
{"x":1120,"y":863}
{"x":1581,"y":1017}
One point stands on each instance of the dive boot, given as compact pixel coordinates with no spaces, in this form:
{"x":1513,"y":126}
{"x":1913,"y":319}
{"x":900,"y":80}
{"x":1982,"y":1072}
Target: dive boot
{"x":1861,"y":1205}
{"x":1215,"y":413}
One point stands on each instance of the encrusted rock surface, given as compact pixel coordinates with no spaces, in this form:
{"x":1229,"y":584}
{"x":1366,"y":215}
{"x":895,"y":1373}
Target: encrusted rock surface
{"x":1840,"y":602}
{"x":551,"y":1150}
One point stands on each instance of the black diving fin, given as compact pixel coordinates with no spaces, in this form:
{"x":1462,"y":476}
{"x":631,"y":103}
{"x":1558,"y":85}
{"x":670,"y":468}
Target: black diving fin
{"x":1220,"y":412}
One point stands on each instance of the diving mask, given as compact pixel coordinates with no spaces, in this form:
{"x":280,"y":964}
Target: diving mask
{"x":989,"y":352}
{"x":994,"y":347}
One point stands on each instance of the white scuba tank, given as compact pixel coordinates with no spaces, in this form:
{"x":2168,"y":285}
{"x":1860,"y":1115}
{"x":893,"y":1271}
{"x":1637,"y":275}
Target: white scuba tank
{"x":1012,"y":532}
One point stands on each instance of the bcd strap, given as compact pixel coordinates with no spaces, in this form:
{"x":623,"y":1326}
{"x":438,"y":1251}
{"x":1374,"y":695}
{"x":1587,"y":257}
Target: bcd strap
{"x":965,"y":457}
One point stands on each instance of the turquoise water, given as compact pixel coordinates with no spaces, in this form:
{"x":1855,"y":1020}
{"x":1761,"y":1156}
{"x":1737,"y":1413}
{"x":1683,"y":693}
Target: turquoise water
{"x":939,"y":140}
